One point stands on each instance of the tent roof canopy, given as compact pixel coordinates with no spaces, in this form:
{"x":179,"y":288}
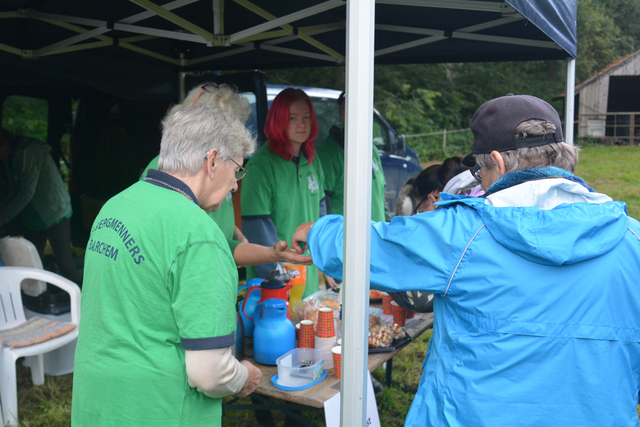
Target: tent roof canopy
{"x":134,"y":47}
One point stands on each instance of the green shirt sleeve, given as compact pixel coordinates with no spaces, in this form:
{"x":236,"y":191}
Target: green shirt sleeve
{"x":233,"y":244}
{"x":203,"y":286}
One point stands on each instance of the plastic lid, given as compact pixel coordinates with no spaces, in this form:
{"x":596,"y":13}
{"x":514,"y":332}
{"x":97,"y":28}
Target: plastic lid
{"x":272,"y":284}
{"x":274,"y":381}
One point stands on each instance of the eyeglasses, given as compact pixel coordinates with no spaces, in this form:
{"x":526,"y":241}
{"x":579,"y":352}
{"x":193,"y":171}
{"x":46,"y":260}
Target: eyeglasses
{"x":477,"y":174}
{"x":241,"y":173}
{"x":436,"y":197}
{"x":424,"y":199}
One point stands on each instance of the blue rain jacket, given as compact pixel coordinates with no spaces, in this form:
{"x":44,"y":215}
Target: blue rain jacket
{"x":537,"y":304}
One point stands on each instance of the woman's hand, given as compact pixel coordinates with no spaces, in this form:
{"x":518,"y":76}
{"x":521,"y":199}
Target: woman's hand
{"x":286,"y":254}
{"x":253,"y":380}
{"x":300,"y":236}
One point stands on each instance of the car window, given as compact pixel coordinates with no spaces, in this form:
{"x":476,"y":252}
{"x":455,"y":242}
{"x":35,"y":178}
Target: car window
{"x":381,"y":135}
{"x":252,"y":121}
{"x":327,"y":114}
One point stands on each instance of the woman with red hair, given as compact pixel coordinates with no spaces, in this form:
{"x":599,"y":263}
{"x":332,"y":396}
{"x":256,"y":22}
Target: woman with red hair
{"x":284,"y":184}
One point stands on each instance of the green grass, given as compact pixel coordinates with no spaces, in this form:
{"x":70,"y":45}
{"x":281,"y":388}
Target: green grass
{"x":615,"y":171}
{"x":611,"y":170}
{"x":48,"y":405}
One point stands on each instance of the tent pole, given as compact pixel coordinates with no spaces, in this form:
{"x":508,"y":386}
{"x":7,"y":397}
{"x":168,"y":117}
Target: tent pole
{"x":181,"y":90}
{"x":218,"y":16}
{"x":569,"y":107}
{"x":357,"y":217}
{"x":181,"y":77}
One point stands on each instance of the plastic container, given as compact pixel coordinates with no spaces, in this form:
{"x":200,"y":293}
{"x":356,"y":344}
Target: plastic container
{"x":53,"y":301}
{"x":274,"y":334}
{"x":298,"y":274}
{"x":249,"y":304}
{"x":300,"y":367}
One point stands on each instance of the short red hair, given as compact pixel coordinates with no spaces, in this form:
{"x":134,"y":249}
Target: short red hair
{"x":278,"y":118}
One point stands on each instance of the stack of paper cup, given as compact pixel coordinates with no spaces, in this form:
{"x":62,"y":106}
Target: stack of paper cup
{"x":399,"y":314}
{"x":325,"y":335}
{"x":337,"y":360}
{"x":305,"y":334}
{"x":386,"y":303}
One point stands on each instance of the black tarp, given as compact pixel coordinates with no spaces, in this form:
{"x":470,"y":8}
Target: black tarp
{"x":118,"y":70}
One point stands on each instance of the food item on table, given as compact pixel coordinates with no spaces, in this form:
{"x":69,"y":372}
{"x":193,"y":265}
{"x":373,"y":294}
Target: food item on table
{"x":373,"y":320}
{"x":381,"y":336}
{"x":374,"y":342}
{"x":398,"y":331}
{"x":312,"y":314}
{"x":331,"y":303}
{"x":375,"y":295}
{"x":308,"y":310}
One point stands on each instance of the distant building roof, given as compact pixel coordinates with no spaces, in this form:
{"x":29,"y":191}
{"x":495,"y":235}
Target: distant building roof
{"x":603,"y":72}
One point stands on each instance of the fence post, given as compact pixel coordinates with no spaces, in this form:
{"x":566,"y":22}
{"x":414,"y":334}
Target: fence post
{"x":444,"y":141}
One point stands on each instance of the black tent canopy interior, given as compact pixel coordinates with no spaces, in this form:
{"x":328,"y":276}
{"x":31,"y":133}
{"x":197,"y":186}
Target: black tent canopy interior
{"x":135,"y":49}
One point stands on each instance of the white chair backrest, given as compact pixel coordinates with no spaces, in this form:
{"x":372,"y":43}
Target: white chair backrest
{"x":11,"y":311}
{"x":19,"y":252}
{"x":11,"y":277}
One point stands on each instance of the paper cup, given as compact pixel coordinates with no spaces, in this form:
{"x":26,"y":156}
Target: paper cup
{"x":337,"y":360}
{"x":325,"y":345}
{"x":410,"y":314}
{"x":386,"y":303}
{"x":399,"y":314}
{"x":325,"y":327}
{"x":306,"y":336}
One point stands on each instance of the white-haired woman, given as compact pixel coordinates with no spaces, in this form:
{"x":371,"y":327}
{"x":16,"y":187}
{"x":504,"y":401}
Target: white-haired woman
{"x":158,"y":304}
{"x":244,"y":253}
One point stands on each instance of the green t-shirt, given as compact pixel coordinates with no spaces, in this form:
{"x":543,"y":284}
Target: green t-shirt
{"x":332,"y":156}
{"x":289,"y":194}
{"x":224,"y":217}
{"x":158,"y":280}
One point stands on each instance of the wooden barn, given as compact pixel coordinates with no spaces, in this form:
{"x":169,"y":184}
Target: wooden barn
{"x":608,"y":104}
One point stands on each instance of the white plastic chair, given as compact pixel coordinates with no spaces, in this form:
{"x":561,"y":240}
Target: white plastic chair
{"x":12,"y":315}
{"x":19,"y":252}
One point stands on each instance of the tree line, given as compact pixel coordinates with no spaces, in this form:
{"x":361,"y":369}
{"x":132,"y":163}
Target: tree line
{"x":422,"y":98}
